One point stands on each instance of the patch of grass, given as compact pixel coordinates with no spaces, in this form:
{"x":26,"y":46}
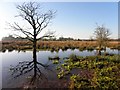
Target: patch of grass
{"x":93,"y":72}
{"x":55,"y":62}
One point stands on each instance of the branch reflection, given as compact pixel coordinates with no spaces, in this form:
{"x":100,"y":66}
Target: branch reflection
{"x":28,"y":66}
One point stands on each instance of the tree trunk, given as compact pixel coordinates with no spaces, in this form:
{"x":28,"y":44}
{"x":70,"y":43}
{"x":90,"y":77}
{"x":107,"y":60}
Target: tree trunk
{"x":34,"y":56}
{"x":34,"y":51}
{"x":34,"y":45}
{"x":99,"y":50}
{"x":105,"y":53}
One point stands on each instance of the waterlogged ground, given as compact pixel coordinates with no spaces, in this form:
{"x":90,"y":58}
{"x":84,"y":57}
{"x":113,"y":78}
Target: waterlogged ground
{"x":13,"y":58}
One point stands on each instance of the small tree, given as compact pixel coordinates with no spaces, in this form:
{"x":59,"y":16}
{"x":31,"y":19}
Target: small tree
{"x":102,"y":35}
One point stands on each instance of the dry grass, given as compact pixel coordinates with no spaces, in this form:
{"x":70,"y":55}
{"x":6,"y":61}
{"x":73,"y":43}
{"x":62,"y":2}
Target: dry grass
{"x":22,"y":45}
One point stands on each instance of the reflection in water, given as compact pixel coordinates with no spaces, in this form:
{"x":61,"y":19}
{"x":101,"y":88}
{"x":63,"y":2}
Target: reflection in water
{"x":38,"y":79}
{"x":34,"y":71}
{"x":25,"y":67}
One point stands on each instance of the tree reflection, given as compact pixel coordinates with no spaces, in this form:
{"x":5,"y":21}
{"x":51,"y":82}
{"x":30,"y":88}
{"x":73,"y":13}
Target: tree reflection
{"x":26,"y":67}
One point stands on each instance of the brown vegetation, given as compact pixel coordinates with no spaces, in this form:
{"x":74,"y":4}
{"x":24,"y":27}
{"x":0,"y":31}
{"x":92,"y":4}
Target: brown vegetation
{"x":55,"y":45}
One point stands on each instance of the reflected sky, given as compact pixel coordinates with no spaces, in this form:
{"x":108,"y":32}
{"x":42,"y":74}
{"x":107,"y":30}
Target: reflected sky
{"x":14,"y":57}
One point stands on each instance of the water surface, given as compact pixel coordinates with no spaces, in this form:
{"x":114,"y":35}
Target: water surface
{"x":14,"y":57}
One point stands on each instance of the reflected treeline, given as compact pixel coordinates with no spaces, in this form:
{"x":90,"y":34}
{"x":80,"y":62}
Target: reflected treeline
{"x":52,"y":50}
{"x":57,"y":50}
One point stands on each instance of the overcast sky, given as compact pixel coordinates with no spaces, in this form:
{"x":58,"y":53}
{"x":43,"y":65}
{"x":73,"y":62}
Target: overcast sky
{"x":73,"y":19}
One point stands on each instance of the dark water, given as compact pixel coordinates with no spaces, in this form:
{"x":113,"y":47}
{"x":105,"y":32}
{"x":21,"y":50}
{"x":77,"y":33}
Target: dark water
{"x":14,"y":57}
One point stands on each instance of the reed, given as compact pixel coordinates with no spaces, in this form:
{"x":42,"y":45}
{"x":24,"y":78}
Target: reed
{"x":56,"y":45}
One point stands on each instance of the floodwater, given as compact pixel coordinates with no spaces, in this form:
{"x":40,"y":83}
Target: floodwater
{"x":13,"y":58}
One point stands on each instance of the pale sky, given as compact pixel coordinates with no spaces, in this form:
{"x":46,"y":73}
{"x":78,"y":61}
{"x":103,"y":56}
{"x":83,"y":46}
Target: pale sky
{"x":73,"y":19}
{"x":106,"y":13}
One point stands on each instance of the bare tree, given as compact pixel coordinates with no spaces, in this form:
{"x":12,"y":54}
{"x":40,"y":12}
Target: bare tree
{"x":37,"y":21}
{"x":102,"y":35}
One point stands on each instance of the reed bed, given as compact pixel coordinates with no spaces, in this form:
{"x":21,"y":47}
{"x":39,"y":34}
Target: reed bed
{"x":56,"y":45}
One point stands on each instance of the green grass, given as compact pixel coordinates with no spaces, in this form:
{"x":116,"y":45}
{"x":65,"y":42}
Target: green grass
{"x":93,"y":72}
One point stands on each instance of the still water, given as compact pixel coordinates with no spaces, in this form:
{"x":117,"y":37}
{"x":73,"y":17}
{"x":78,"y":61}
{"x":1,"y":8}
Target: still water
{"x":13,"y":58}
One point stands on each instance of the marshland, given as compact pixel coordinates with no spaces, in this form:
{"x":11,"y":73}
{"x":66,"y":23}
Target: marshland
{"x":71,"y":64}
{"x":84,"y":56}
{"x":55,"y":45}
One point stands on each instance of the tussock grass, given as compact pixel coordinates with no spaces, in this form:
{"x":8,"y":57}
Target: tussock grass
{"x":56,"y":45}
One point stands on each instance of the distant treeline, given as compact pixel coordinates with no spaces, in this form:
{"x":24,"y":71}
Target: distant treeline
{"x":12,"y":38}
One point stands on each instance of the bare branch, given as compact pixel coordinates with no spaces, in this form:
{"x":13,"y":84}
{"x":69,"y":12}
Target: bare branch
{"x":37,"y":20}
{"x":49,"y":34}
{"x":16,"y":27}
{"x":25,"y":32}
{"x":23,"y":37}
{"x":44,"y":20}
{"x":102,"y":35}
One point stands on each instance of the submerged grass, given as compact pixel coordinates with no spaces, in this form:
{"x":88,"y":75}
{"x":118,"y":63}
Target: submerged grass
{"x":92,"y":72}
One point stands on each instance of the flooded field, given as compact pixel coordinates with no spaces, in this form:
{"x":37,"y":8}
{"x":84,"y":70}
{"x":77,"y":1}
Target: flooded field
{"x":13,"y":58}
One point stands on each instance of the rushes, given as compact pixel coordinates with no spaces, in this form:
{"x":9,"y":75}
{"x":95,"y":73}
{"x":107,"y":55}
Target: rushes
{"x":55,"y":45}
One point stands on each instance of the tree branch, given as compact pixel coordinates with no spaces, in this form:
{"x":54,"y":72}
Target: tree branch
{"x":48,"y":34}
{"x":16,"y":27}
